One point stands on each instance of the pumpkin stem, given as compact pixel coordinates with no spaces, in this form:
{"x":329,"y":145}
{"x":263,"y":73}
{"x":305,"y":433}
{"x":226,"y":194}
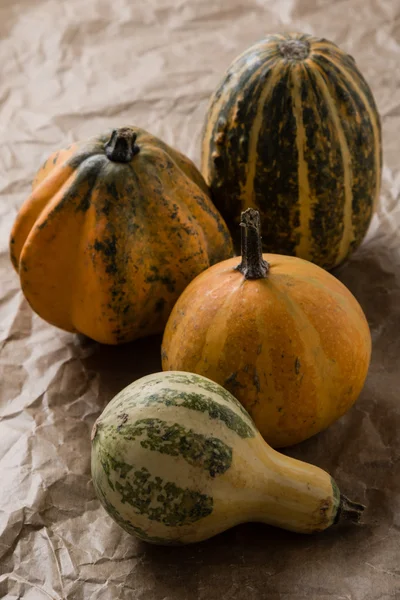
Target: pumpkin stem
{"x":349,"y":510}
{"x":253,"y":266}
{"x":121,"y":146}
{"x":295,"y":49}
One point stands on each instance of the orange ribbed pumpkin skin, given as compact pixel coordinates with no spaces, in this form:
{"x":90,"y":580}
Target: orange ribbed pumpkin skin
{"x":294,"y":347}
{"x":105,"y":248}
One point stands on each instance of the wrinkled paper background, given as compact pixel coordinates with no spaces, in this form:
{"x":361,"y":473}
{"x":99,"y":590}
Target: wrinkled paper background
{"x":69,"y":70}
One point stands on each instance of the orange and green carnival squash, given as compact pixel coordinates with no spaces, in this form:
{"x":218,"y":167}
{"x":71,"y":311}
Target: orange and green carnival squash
{"x":293,"y":131}
{"x":283,"y":335}
{"x":113,"y":231}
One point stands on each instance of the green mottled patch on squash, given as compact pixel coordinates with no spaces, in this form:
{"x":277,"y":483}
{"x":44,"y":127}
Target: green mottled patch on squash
{"x":208,"y":386}
{"x":201,"y":403}
{"x":127,"y":525}
{"x":151,"y":496}
{"x":206,"y":452}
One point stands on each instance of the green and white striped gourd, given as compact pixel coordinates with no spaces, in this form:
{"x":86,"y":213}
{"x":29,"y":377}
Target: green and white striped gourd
{"x":176,"y":459}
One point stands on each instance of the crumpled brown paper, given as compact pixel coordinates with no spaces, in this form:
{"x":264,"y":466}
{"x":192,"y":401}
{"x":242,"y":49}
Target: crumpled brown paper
{"x":68,"y":71}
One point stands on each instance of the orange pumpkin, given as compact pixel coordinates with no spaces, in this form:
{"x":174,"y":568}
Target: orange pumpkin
{"x":283,"y":335}
{"x":114,"y":230}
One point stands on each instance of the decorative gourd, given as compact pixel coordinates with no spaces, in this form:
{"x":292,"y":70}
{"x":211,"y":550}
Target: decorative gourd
{"x":176,"y":459}
{"x":114,"y":230}
{"x":293,"y":131}
{"x":284,"y":336}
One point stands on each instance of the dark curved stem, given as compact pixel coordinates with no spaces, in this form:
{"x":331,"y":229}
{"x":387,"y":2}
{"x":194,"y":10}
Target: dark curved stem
{"x":121,"y":146}
{"x":349,"y":510}
{"x":253,"y":266}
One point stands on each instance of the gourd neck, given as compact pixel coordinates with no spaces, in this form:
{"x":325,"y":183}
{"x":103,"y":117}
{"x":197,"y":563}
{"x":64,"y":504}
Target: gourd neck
{"x":253,"y":265}
{"x":121,"y":146}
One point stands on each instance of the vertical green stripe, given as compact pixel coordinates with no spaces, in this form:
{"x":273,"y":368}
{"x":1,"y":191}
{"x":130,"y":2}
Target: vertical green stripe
{"x":325,"y":173}
{"x":276,"y":181}
{"x":359,"y":134}
{"x":229,"y":142}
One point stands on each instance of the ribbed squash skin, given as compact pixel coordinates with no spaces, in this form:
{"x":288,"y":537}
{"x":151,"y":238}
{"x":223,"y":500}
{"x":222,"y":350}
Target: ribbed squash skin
{"x":293,"y":348}
{"x":105,"y":248}
{"x":293,"y":131}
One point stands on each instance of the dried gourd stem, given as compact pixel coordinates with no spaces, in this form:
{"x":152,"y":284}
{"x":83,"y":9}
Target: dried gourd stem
{"x":294,"y":49}
{"x":349,"y":510}
{"x":243,"y":238}
{"x":253,"y":266}
{"x":121,"y":146}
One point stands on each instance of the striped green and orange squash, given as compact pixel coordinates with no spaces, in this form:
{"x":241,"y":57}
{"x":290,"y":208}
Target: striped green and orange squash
{"x":176,"y":459}
{"x":293,"y":130}
{"x":113,"y":231}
